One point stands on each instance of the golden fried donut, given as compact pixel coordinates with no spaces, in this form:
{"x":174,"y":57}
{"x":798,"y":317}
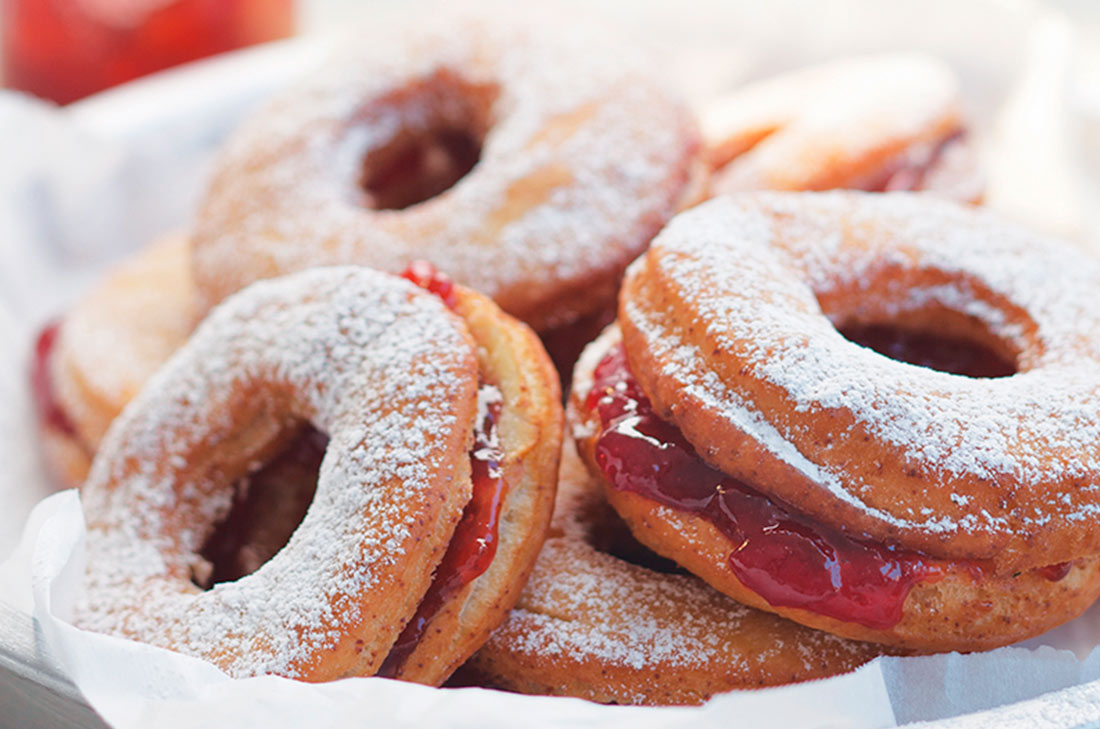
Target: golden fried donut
{"x":809,"y":475}
{"x":92,"y":362}
{"x":417,"y":420}
{"x":885,"y":122}
{"x":531,"y":165}
{"x":595,"y":623}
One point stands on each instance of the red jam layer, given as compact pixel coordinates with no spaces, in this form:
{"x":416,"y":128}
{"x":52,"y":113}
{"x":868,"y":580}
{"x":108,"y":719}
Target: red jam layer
{"x":473,"y":546}
{"x":787,"y":559}
{"x":474,"y":542}
{"x":45,"y":396}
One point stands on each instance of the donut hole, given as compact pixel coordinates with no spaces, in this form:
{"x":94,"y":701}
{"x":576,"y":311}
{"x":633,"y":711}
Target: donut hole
{"x":932,"y":349}
{"x":268,"y":505}
{"x":932,"y":319}
{"x":417,"y":166}
{"x":440,"y":126}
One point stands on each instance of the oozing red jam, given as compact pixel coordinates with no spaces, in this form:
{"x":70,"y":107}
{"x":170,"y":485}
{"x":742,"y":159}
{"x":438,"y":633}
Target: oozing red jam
{"x":1056,"y":572}
{"x":473,"y":545}
{"x":268,"y":506}
{"x":45,"y":397}
{"x":474,"y":542}
{"x":935,"y":351}
{"x":787,"y":559}
{"x":425,"y":275}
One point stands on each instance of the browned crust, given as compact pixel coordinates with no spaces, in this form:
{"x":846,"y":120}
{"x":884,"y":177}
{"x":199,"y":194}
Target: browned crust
{"x":66,"y":458}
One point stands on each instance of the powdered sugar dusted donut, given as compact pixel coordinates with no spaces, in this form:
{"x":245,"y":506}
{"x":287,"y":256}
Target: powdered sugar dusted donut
{"x":391,"y":376}
{"x":841,"y":488}
{"x":595,"y":622}
{"x":530,"y":164}
{"x":886,"y":122}
{"x":92,"y":362}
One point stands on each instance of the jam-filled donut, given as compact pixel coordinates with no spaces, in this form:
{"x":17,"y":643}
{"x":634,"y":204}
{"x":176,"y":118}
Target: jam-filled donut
{"x":443,"y":429}
{"x":531,"y":165}
{"x":876,"y":123}
{"x":801,"y":472}
{"x":599,"y":620}
{"x":93,"y":361}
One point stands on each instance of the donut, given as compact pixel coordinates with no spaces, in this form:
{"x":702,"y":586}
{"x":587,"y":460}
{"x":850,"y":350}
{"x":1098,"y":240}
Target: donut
{"x":876,"y":123}
{"x":601,"y":621}
{"x":530,"y":163}
{"x":439,"y":421}
{"x":89,"y":364}
{"x":805,"y":473}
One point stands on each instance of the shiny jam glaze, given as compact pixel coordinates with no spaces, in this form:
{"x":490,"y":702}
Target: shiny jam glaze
{"x":49,"y":409}
{"x":937,"y":352}
{"x":425,"y":275}
{"x":474,"y":542}
{"x":473,"y":545}
{"x":268,"y":505}
{"x":788,"y":560}
{"x":1056,"y":572}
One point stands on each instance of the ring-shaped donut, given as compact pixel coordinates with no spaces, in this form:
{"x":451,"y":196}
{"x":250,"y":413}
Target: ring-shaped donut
{"x":581,"y":157}
{"x":391,"y":375}
{"x":963,"y":485}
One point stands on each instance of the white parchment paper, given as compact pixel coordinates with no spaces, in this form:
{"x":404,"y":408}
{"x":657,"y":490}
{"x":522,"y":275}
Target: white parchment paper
{"x":80,"y":187}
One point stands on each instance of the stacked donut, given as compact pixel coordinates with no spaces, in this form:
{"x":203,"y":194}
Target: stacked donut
{"x":822,"y":427}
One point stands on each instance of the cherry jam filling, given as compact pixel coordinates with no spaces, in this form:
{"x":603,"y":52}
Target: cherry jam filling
{"x":474,"y":542}
{"x":787,"y":559}
{"x":46,"y":403}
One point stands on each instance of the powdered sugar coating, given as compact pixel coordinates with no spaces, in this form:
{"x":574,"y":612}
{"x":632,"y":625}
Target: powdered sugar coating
{"x":584,"y":157}
{"x":1004,"y":460}
{"x":380,"y":366}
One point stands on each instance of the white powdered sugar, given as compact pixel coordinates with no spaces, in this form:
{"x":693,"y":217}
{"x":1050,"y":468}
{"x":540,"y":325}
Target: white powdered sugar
{"x":583,"y":606}
{"x":584,"y":156}
{"x":379,"y":365}
{"x":753,"y":269}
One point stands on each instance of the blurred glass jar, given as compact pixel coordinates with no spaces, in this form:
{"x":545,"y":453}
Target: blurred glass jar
{"x":66,"y":49}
